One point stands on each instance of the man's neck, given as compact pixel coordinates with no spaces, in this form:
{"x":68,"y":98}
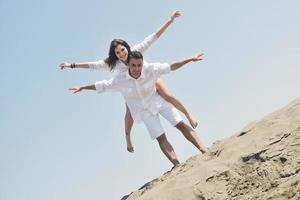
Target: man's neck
{"x":133,"y":76}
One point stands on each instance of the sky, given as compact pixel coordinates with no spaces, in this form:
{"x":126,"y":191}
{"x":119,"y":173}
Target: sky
{"x":59,"y":145}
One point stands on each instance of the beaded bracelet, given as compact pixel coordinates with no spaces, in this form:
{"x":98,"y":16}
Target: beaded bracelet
{"x":72,"y":65}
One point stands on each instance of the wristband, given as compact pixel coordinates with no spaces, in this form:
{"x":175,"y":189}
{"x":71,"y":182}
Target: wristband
{"x":72,"y":65}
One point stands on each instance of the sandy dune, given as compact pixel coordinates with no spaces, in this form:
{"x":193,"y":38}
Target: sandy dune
{"x":262,"y":161}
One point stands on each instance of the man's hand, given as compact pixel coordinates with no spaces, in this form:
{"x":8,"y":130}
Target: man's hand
{"x":197,"y":57}
{"x":175,"y":14}
{"x":64,"y":65}
{"x":75,"y":89}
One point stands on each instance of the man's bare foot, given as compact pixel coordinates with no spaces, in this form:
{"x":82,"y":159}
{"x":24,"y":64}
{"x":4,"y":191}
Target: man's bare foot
{"x":204,"y":151}
{"x":175,"y":166}
{"x":192,"y":121}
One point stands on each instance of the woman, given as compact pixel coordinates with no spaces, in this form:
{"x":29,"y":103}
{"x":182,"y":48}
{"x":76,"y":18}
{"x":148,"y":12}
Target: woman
{"x":118,"y":60}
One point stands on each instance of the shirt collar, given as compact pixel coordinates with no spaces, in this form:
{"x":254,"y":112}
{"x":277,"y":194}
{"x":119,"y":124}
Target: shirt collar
{"x":141,"y":76}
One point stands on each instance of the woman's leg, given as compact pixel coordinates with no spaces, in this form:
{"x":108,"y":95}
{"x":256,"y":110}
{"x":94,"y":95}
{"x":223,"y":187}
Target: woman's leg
{"x":191,"y":136}
{"x":128,"y":126}
{"x":168,"y":96}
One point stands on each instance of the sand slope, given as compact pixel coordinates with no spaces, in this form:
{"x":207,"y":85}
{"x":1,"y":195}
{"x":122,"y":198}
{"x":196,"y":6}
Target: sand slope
{"x":262,"y":161}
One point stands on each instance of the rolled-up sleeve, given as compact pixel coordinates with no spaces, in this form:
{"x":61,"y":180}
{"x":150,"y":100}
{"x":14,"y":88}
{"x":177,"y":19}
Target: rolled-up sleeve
{"x":107,"y":85}
{"x":99,"y":86}
{"x":145,"y":44}
{"x":161,"y":68}
{"x":99,"y":65}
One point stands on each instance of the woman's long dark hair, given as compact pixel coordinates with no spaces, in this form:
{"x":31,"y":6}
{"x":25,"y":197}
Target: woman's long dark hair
{"x":112,"y":59}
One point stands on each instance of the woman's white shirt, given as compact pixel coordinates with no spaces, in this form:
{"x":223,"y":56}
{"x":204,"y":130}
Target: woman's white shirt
{"x":120,"y":66}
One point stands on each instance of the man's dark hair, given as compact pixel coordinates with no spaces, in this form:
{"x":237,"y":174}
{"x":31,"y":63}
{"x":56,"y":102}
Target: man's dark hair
{"x":135,"y":55}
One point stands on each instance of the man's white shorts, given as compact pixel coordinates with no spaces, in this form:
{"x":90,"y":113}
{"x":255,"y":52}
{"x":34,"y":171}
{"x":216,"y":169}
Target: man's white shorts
{"x":153,"y":124}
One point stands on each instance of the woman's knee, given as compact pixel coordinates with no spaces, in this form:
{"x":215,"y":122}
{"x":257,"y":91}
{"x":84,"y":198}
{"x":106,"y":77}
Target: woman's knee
{"x":164,"y":91}
{"x":181,"y":126}
{"x":161,"y":138}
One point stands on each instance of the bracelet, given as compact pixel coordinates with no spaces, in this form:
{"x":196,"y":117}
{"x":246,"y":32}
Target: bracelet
{"x":72,"y":65}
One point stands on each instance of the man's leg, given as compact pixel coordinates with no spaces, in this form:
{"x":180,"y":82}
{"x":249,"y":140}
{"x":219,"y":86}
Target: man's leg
{"x":157,"y":132}
{"x":191,"y":136}
{"x":167,"y":149}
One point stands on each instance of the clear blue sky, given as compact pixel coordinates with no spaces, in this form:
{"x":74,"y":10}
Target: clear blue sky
{"x":56,"y":145}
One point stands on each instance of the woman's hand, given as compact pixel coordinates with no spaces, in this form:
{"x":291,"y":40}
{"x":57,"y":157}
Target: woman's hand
{"x":162,"y":29}
{"x":175,"y":14}
{"x":64,"y":65}
{"x":75,"y":89}
{"x":197,"y":57}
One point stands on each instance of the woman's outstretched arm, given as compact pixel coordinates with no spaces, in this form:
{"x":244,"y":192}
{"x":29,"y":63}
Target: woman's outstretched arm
{"x":96,"y":65}
{"x":148,"y":41}
{"x":163,"y":27}
{"x":75,"y":65}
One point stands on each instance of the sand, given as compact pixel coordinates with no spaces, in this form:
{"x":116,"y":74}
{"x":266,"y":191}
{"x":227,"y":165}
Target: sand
{"x":262,"y":161}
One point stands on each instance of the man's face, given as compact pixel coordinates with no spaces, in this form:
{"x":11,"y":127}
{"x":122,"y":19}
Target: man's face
{"x":135,"y":67}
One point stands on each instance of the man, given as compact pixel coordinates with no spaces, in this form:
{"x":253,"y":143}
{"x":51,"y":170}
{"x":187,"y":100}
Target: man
{"x":137,"y":86}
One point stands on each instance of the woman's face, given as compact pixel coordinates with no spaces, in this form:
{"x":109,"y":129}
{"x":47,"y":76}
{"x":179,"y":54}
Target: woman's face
{"x":121,"y":53}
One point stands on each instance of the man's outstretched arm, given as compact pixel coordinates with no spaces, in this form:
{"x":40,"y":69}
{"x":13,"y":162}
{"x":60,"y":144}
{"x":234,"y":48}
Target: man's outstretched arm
{"x":178,"y":64}
{"x":83,"y":87}
{"x":111,"y":85}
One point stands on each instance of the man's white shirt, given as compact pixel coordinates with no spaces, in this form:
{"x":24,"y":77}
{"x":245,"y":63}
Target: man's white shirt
{"x":140,"y":94}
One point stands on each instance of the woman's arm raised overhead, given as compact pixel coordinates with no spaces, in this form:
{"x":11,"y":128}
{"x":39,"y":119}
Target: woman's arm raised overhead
{"x":162,"y":29}
{"x":148,"y":41}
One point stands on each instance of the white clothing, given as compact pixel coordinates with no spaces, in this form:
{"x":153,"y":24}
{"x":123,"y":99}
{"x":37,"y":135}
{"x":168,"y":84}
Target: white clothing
{"x":140,"y":94}
{"x":153,"y":124}
{"x":120,"y":66}
{"x":142,"y":98}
